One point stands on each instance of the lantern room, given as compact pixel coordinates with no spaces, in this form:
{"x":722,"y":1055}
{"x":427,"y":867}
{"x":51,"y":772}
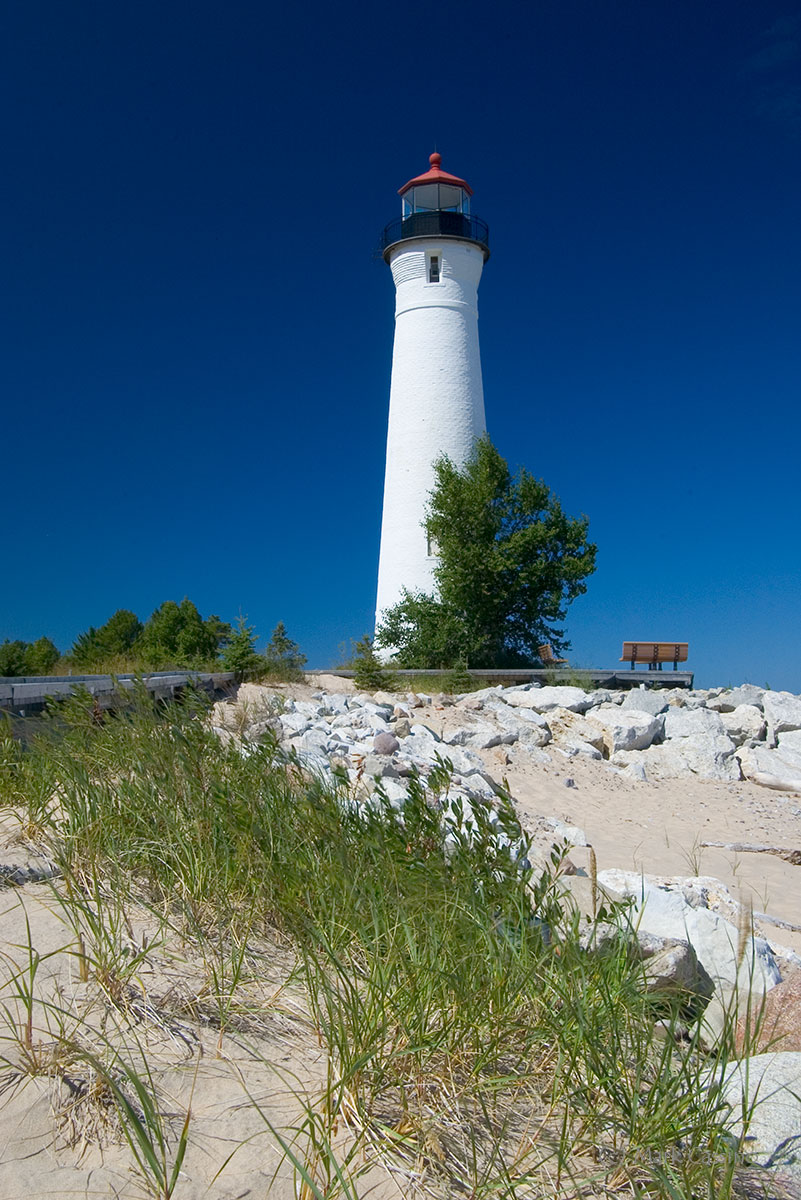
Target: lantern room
{"x":436,"y":191}
{"x":435,"y":204}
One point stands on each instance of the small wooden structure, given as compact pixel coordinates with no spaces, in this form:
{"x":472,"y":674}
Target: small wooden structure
{"x":654,"y":654}
{"x":549,"y":659}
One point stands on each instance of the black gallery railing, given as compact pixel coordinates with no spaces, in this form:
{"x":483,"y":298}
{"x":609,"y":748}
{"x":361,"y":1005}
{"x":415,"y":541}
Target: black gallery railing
{"x":436,"y":224}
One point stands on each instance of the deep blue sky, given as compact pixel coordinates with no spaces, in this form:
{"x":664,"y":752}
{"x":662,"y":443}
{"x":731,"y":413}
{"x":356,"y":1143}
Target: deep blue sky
{"x":195,"y":339}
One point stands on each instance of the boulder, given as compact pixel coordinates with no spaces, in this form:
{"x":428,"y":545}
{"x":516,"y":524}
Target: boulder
{"x":779,"y":769}
{"x":691,"y":722}
{"x":376,"y":766}
{"x":360,"y":718}
{"x":672,"y":967}
{"x":705,"y":757}
{"x":395,"y":791}
{"x":425,"y":731}
{"x":729,"y":699}
{"x":574,"y":746}
{"x":661,"y":909}
{"x":647,"y":700}
{"x":385,"y":743}
{"x":465,"y":761}
{"x":604,"y":696}
{"x":767,"y":1087}
{"x":780,"y":1019}
{"x":476,"y":733}
{"x":529,"y":726}
{"x":567,"y":726}
{"x":546,"y":698}
{"x":313,"y":741}
{"x":311,"y":709}
{"x":625,"y":728}
{"x":293,"y":724}
{"x":745,"y":723}
{"x":782,"y":713}
{"x":771,"y":1023}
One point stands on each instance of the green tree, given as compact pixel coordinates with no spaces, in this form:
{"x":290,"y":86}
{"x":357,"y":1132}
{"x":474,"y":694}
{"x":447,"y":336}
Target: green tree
{"x":12,"y":658}
{"x":283,"y":658}
{"x":176,"y":635}
{"x":510,"y":561}
{"x":114,"y":640}
{"x":41,"y":656}
{"x":240,"y":654}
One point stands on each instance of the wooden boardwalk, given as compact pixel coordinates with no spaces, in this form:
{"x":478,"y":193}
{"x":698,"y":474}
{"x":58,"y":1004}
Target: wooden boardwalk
{"x":26,"y":695}
{"x":611,"y":677}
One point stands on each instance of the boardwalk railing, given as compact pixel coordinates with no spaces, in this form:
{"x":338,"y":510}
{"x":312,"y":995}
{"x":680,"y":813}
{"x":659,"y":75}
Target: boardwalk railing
{"x":30,"y":693}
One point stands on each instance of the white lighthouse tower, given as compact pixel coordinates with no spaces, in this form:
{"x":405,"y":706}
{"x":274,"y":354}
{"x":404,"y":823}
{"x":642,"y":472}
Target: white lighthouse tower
{"x":436,"y":250}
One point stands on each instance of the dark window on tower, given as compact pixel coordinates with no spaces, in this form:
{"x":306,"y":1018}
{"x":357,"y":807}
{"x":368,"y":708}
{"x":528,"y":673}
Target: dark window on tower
{"x":433,"y":269}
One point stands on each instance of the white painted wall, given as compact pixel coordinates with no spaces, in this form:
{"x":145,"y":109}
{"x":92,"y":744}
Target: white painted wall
{"x":436,"y":403}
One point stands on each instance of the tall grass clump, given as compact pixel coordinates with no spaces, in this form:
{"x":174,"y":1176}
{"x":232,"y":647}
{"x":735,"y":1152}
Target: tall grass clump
{"x":474,"y":1043}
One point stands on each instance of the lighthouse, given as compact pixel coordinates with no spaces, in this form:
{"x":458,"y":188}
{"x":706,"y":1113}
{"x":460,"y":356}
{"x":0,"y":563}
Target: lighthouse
{"x":436,"y":251}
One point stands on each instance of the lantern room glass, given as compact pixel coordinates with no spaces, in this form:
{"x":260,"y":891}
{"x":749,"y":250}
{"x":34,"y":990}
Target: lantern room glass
{"x":435,"y":197}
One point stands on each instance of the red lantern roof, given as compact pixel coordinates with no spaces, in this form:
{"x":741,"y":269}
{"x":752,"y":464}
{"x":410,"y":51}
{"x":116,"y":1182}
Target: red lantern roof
{"x":435,"y":175}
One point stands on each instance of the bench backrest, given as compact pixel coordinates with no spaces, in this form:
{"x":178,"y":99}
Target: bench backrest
{"x":646,"y":652}
{"x":547,"y":655}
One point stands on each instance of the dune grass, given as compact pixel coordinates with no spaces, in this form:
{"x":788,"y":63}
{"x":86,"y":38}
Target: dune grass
{"x":474,"y":1047}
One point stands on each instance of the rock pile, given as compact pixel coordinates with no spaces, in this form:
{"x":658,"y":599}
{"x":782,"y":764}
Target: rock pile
{"x":721,"y":734}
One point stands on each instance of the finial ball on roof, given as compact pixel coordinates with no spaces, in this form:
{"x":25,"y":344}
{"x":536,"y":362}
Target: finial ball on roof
{"x":435,"y":159}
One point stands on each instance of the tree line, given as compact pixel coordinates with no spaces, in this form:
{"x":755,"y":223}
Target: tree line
{"x":175,"y":635}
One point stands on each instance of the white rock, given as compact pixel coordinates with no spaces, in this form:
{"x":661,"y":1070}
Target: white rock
{"x":314,"y":741}
{"x":395,"y":791}
{"x":743,"y":723}
{"x":335,"y":702}
{"x":707,"y":757}
{"x":647,"y":700}
{"x":625,"y":729}
{"x":529,"y":726}
{"x":465,"y":762}
{"x":425,"y":731}
{"x":604,"y":696}
{"x":689,"y":722}
{"x":544,"y":699}
{"x":475,"y":787}
{"x":481,"y":695}
{"x":664,"y":911}
{"x":779,"y":769}
{"x":768,"y":1088}
{"x":489,"y":738}
{"x":567,"y":833}
{"x":730,"y":699}
{"x":311,"y":710}
{"x":360,"y":718}
{"x":782,"y":712}
{"x":575,"y":746}
{"x":567,"y":726}
{"x":294,"y":723}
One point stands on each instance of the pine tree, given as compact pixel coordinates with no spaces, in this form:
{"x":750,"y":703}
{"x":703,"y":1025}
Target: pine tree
{"x":282,"y":656}
{"x":370,"y":675}
{"x":239,"y":655}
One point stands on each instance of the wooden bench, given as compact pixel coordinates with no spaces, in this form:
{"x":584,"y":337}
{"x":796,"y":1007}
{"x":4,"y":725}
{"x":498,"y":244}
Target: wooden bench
{"x":654,"y":654}
{"x":549,"y":659}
